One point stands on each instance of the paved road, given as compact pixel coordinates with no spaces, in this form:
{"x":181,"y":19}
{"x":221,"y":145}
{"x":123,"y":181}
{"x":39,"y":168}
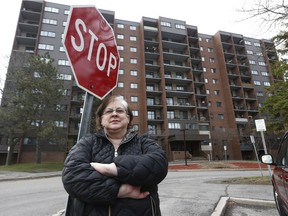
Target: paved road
{"x":192,"y":192}
{"x":182,"y":193}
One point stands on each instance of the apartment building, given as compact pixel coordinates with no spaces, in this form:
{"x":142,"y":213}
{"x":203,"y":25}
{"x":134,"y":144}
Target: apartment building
{"x":192,"y":92}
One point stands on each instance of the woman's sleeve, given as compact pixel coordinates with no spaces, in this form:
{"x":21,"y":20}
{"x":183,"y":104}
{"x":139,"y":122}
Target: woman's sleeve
{"x":82,"y":181}
{"x":147,"y":169}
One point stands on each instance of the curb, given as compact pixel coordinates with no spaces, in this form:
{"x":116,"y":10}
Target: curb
{"x":223,"y":203}
{"x":32,"y":176}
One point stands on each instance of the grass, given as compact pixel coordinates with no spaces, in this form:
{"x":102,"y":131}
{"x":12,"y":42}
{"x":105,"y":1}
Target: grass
{"x":33,"y":167}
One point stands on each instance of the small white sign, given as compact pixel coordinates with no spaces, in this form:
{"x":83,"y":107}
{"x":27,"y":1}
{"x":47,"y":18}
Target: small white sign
{"x":260,"y":125}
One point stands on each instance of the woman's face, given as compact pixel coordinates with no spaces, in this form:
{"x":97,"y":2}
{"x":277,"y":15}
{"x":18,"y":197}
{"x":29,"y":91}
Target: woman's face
{"x":115,"y":117}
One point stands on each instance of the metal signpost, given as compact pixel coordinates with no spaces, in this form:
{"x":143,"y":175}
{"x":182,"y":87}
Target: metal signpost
{"x":261,"y":127}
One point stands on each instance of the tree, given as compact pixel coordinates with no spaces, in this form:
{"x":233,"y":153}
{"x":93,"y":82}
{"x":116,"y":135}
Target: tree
{"x":32,"y":102}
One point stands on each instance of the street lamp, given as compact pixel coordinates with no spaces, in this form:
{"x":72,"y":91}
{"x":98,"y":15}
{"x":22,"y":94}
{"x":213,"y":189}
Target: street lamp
{"x":184,"y":137}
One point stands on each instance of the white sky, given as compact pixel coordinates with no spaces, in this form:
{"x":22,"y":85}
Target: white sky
{"x":221,"y":15}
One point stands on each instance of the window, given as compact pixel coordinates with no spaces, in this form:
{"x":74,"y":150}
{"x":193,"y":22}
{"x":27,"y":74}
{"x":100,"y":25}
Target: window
{"x":51,"y":9}
{"x":260,"y":94}
{"x":206,"y":80}
{"x":61,"y":49}
{"x":132,"y":38}
{"x":121,"y":71}
{"x":134,"y":99}
{"x":257,"y":44}
{"x":252,"y":62}
{"x":259,"y":54}
{"x":66,"y":92}
{"x":45,"y":47}
{"x":120,"y":84}
{"x":48,"y":34}
{"x":216,"y":92}
{"x":120,"y":48}
{"x":254,"y":72}
{"x":59,"y":107}
{"x":64,"y":77}
{"x":133,"y":49}
{"x":133,"y":73}
{"x":133,"y":61}
{"x":215,"y":81}
{"x":208,"y":91}
{"x":64,"y":23}
{"x":257,"y":83}
{"x":220,"y":116}
{"x":211,"y":60}
{"x":170,"y":114}
{"x":152,"y":129}
{"x":180,"y":88}
{"x":133,"y":85}
{"x":119,"y":25}
{"x":135,"y":127}
{"x":150,"y":87}
{"x":168,"y":87}
{"x":179,"y":26}
{"x":60,"y":124}
{"x":264,"y":73}
{"x":266,"y":83}
{"x":63,"y":62}
{"x":262,"y":63}
{"x":218,"y":104}
{"x":213,"y":70}
{"x":210,"y":49}
{"x":135,"y":112}
{"x":166,"y":24}
{"x":133,"y":28}
{"x":203,"y":59}
{"x":169,"y":101}
{"x":121,"y":59}
{"x":29,"y":141}
{"x":248,"y":43}
{"x":249,"y":52}
{"x":151,"y":115}
{"x":49,"y":21}
{"x":120,"y":36}
{"x":66,"y":12}
{"x":175,"y":125}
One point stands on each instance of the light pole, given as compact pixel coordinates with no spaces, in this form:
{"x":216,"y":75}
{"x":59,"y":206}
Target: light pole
{"x":184,"y":137}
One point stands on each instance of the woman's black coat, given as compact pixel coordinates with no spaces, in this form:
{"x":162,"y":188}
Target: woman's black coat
{"x":140,"y":162}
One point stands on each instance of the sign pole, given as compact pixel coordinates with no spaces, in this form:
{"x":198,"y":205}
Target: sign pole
{"x":84,"y":124}
{"x":265,"y":149}
{"x":253,"y":143}
{"x":261,"y":127}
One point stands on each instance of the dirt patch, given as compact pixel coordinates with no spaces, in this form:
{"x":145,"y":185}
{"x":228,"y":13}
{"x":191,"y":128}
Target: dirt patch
{"x":218,"y":165}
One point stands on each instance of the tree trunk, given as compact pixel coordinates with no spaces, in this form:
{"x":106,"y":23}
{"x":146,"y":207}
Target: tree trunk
{"x":10,"y":149}
{"x":38,"y":152}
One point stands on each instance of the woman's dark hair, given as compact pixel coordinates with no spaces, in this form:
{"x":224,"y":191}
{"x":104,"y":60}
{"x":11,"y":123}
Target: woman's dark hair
{"x":104,"y":104}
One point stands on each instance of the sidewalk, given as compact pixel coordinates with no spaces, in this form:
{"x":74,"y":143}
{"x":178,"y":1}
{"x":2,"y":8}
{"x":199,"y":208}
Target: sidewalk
{"x":13,"y":176}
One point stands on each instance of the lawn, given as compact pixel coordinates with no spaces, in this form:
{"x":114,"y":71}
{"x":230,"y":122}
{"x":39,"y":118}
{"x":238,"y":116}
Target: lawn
{"x":33,"y":167}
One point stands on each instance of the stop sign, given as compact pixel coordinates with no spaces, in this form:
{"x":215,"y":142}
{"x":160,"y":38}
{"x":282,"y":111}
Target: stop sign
{"x":92,"y":50}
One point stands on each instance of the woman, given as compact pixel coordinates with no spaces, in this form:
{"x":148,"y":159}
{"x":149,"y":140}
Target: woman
{"x":114,"y":171}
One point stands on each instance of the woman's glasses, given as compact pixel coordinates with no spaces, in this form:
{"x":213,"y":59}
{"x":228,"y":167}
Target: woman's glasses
{"x":119,"y":111}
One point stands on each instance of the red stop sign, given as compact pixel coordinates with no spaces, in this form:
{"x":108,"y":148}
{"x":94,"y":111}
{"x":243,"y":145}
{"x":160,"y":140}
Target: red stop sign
{"x":92,"y":50}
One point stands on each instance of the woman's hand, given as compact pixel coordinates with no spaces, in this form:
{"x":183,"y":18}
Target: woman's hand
{"x":130,"y":191}
{"x":105,"y":169}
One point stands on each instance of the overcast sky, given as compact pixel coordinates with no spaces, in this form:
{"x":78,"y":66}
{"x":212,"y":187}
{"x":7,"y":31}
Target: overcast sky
{"x":221,"y":15}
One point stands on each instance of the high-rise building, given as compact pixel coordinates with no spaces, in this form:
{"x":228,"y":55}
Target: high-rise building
{"x":193,"y":92}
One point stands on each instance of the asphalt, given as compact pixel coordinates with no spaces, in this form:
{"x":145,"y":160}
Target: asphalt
{"x":220,"y":209}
